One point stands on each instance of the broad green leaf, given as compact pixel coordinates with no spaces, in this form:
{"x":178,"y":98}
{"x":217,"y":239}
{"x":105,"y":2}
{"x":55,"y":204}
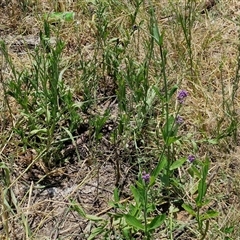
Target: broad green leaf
{"x":126,"y":232}
{"x":209,"y":214}
{"x":136,"y":194}
{"x":131,"y":220}
{"x":202,"y":186}
{"x":156,"y":222}
{"x":5,"y":201}
{"x":228,"y":230}
{"x":172,"y":91}
{"x":152,"y":181}
{"x":161,"y":164}
{"x":177,"y":163}
{"x":189,"y":209}
{"x":195,"y":146}
{"x":202,"y":189}
{"x":36,"y":131}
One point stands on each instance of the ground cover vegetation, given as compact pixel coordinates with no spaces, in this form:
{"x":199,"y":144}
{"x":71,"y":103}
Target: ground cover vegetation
{"x":119,"y":119}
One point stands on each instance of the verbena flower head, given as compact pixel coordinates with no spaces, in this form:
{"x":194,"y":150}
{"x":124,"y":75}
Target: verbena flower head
{"x":191,"y":158}
{"x":146,"y":177}
{"x":182,"y":94}
{"x":179,"y":119}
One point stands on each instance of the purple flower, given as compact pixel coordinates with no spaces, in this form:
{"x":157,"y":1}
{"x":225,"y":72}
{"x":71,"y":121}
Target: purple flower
{"x":191,"y":158}
{"x":179,"y":119}
{"x":182,"y":94}
{"x":145,"y":177}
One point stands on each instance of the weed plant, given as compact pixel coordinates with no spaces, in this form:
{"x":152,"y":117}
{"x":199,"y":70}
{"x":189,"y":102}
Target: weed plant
{"x":46,"y":103}
{"x":136,"y":97}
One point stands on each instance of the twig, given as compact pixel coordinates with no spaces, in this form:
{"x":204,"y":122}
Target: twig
{"x":110,"y":208}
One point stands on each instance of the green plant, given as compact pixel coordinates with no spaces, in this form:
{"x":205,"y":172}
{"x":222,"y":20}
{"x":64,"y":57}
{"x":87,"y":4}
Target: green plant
{"x":45,"y":100}
{"x":201,"y":201}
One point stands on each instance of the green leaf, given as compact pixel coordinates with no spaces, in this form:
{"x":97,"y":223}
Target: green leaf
{"x":228,"y":230}
{"x":172,"y":140}
{"x":126,"y":232}
{"x":161,"y":164}
{"x":48,"y":115}
{"x":213,"y":141}
{"x":93,"y":218}
{"x":189,"y":209}
{"x":59,"y":16}
{"x":134,"y":210}
{"x":140,"y":185}
{"x":36,"y":131}
{"x":178,"y":163}
{"x":209,"y":214}
{"x":96,"y":232}
{"x":136,"y":194}
{"x":156,"y":222}
{"x":202,"y":186}
{"x":193,"y":171}
{"x":205,"y":202}
{"x":167,"y":130}
{"x":131,"y":220}
{"x":76,"y":207}
{"x":172,"y":91}
{"x":156,"y":35}
{"x":116,"y":195}
{"x":152,"y":181}
{"x":151,"y":93}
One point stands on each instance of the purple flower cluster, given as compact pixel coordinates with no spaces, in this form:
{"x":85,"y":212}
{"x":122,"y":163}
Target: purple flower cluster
{"x":182,"y":94}
{"x":191,"y":158}
{"x":146,"y":177}
{"x":179,"y":119}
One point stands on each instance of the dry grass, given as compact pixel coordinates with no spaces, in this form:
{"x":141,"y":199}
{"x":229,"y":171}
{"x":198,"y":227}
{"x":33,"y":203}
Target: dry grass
{"x":214,"y":43}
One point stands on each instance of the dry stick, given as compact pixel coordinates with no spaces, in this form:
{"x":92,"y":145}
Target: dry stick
{"x":28,"y":206}
{"x":110,"y":208}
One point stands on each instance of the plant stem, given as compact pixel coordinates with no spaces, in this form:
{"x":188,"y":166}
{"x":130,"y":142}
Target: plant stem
{"x":145,"y":211}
